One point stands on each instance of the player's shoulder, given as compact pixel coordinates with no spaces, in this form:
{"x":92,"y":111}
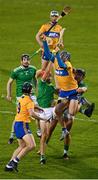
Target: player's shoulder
{"x":32,"y":67}
{"x":68,"y":63}
{"x":59,"y":26}
{"x":25,"y":99}
{"x":17,"y":69}
{"x":46,"y":25}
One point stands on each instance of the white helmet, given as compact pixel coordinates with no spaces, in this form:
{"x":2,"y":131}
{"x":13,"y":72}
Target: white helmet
{"x":54,"y":13}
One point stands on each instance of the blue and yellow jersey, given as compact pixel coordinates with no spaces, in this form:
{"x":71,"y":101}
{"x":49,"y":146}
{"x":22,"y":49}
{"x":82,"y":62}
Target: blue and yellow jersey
{"x":64,"y":78}
{"x":52,"y":37}
{"x":24,"y":104}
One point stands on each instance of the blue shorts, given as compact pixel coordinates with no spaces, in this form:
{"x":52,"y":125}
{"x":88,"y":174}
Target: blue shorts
{"x":72,"y":94}
{"x":21,"y":129}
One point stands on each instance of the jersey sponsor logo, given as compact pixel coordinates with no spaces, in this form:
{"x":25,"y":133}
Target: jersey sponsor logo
{"x":61,"y":72}
{"x":53,"y":34}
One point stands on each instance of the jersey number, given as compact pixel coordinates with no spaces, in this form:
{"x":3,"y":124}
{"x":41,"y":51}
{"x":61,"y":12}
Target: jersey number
{"x":18,"y":108}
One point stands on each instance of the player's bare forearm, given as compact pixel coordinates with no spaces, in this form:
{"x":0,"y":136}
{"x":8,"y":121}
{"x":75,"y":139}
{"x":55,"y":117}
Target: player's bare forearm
{"x":38,"y":39}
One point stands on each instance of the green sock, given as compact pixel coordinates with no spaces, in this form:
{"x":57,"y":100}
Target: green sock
{"x":66,"y":147}
{"x":42,"y":157}
{"x":82,"y":110}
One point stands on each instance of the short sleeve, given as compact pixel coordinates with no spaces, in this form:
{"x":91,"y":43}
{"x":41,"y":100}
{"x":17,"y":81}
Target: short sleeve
{"x":42,"y":29}
{"x":30,"y":105}
{"x":68,"y":65}
{"x":13,"y":75}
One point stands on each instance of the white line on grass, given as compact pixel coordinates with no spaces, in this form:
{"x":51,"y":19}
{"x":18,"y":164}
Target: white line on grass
{"x":89,"y":120}
{"x":7,"y":112}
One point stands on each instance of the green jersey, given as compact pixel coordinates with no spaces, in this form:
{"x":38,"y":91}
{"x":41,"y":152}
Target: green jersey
{"x":23,"y":74}
{"x":82,"y":84}
{"x":45,"y":94}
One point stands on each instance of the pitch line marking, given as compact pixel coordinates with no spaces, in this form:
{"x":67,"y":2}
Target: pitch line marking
{"x":89,"y":120}
{"x":80,"y":119}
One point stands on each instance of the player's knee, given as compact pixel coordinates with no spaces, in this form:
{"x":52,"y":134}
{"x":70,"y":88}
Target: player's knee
{"x":70,"y":117}
{"x":31,"y":146}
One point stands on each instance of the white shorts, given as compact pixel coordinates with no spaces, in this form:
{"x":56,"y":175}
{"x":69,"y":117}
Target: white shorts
{"x":34,"y":99}
{"x":47,"y":114}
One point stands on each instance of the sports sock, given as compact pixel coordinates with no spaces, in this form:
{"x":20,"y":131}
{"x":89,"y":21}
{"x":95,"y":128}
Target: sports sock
{"x":82,"y":111}
{"x":16,"y":160}
{"x":12,"y":135}
{"x":66,"y":147}
{"x":42,"y":157}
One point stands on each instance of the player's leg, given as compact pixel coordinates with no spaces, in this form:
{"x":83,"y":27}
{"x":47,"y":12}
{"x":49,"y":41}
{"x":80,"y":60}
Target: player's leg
{"x":73,"y":106}
{"x":88,"y":112}
{"x":26,"y":143}
{"x":42,"y":142}
{"x":67,"y":140}
{"x":38,"y":132}
{"x":59,"y":109}
{"x":52,"y":126}
{"x":65,"y":131}
{"x":9,"y":166}
{"x":86,"y":107}
{"x":30,"y":144}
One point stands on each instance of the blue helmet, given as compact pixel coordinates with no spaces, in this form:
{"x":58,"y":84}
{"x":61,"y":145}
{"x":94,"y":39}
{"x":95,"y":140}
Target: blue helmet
{"x":65,"y":55}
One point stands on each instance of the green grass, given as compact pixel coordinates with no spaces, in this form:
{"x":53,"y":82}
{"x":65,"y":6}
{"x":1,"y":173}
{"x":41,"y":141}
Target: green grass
{"x":19,"y":23}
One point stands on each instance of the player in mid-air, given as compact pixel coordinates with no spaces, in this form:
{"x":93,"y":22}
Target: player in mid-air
{"x":65,"y":80}
{"x":25,"y":110}
{"x":24,"y":73}
{"x":84,"y":106}
{"x":52,"y":36}
{"x":66,"y":83}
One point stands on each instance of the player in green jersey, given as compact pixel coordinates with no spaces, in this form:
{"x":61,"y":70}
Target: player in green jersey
{"x":85,"y":107}
{"x":24,"y":73}
{"x":45,"y":100}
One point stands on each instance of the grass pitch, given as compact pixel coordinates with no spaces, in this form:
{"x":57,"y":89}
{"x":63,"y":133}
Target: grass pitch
{"x":19,"y":23}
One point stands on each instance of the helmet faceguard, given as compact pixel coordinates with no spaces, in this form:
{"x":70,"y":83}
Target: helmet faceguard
{"x":80,"y":72}
{"x":54,"y":13}
{"x":65,"y":55}
{"x":26,"y":88}
{"x":25,"y":56}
